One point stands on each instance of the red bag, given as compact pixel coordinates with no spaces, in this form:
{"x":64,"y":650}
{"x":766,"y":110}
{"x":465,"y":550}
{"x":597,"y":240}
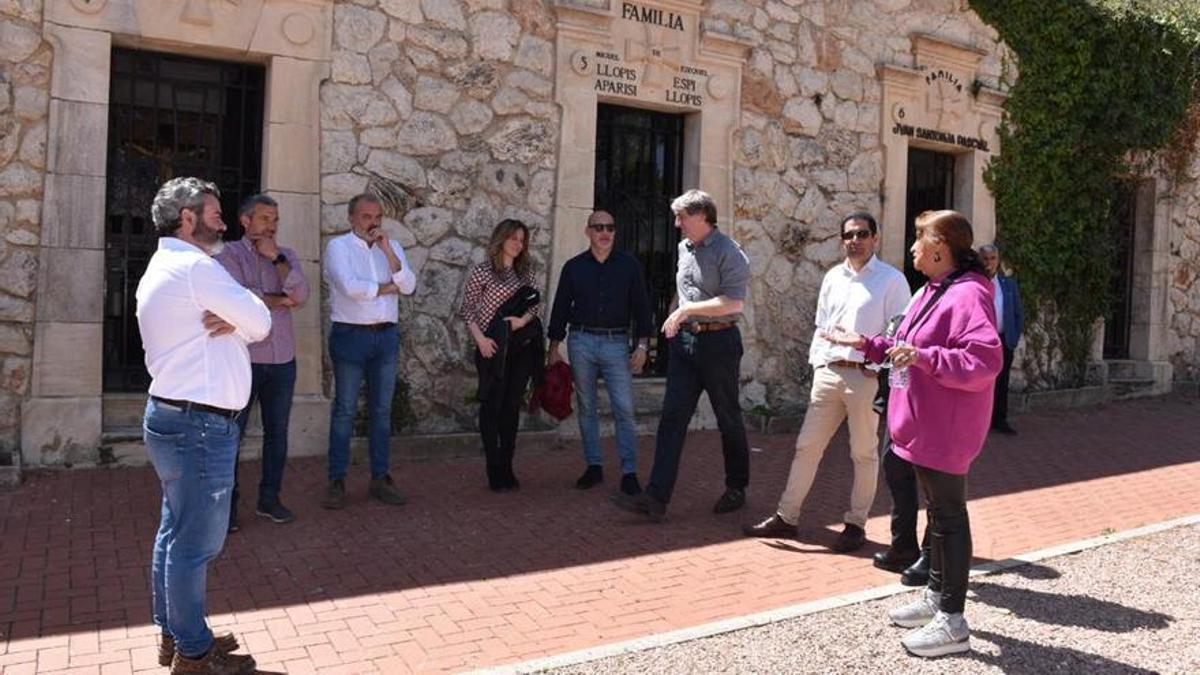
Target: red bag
{"x":554,"y":396}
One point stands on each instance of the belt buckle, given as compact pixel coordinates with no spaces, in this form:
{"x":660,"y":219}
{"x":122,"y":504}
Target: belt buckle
{"x":695,"y":328}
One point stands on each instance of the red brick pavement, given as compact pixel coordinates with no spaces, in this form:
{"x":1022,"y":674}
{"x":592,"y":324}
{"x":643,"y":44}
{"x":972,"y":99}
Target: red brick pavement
{"x":464,"y":578}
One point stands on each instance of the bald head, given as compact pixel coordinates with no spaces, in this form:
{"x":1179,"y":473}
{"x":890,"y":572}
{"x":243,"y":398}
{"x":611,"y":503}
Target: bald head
{"x":601,"y":232}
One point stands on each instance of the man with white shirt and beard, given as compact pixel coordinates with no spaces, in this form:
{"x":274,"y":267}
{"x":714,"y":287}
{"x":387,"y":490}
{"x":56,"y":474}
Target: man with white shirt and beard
{"x":195,"y":321}
{"x":367,"y":272}
{"x":859,"y":294}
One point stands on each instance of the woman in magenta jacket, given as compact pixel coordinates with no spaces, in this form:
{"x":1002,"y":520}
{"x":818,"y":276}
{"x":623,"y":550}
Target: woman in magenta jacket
{"x":939,"y":420}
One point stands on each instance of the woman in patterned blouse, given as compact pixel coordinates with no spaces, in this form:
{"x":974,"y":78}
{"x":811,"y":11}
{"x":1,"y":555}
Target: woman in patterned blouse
{"x":489,"y":286}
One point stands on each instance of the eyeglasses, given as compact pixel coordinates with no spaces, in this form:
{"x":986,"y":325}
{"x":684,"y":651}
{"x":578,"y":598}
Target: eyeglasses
{"x":604,"y":227}
{"x":856,"y":234}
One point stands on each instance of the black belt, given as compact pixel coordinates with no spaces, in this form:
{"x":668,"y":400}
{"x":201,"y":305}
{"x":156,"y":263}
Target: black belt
{"x":367,"y":326}
{"x":708,"y":326}
{"x":189,"y":406}
{"x":595,"y":330}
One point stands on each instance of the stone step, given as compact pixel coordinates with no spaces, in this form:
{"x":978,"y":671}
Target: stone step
{"x":124,"y":447}
{"x":1126,"y":388}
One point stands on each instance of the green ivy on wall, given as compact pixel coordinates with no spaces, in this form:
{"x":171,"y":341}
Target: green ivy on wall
{"x":1102,"y":83}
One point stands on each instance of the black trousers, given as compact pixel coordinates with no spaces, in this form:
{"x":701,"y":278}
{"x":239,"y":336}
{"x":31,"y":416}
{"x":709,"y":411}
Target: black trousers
{"x":950,"y":535}
{"x":704,"y":362}
{"x":500,"y":408}
{"x":1000,"y":402}
{"x":901,"y":481}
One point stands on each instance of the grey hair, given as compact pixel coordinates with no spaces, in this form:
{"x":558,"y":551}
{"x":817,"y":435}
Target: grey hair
{"x":252,"y":201}
{"x":364,"y":197}
{"x":696,"y":201}
{"x":989,"y":248}
{"x":176,"y":195}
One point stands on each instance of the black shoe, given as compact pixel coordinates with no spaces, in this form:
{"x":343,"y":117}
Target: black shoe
{"x":335,"y":495}
{"x":1004,"y":428}
{"x":731,"y":500}
{"x":384,"y":489}
{"x":276,"y":513}
{"x":894,"y":560}
{"x":641,"y":503}
{"x":771,"y":528}
{"x":917,"y":574}
{"x":630,"y":485}
{"x":852,"y":538}
{"x":592,"y":476}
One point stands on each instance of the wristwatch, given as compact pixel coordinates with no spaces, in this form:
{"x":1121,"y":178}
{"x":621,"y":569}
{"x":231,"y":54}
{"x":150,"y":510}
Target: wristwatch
{"x":281,"y":258}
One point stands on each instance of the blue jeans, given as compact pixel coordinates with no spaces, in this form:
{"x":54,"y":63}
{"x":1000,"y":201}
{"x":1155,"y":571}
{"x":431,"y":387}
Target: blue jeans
{"x":593,"y":356}
{"x":193,"y":454}
{"x":358,"y":353}
{"x":704,"y":362}
{"x":272,"y":385}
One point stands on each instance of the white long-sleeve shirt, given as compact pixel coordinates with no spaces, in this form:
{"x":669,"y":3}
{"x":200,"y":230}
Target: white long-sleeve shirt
{"x":860,"y":301}
{"x":354,"y":272}
{"x":180,"y":284}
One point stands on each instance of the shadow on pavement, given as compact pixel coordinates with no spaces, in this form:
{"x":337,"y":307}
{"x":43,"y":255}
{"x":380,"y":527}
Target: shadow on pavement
{"x":76,"y":544}
{"x":1021,"y":657}
{"x":1070,"y":610}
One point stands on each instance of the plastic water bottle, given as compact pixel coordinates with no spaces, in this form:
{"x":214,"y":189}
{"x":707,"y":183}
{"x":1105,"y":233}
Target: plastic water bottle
{"x":898,"y":375}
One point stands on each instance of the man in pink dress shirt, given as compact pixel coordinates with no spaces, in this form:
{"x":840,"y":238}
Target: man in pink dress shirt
{"x":273,"y":273}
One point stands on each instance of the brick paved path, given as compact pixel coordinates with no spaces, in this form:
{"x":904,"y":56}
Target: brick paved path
{"x":462,"y":578}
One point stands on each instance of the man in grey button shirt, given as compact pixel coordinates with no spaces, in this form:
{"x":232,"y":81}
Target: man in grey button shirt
{"x":705,"y":356}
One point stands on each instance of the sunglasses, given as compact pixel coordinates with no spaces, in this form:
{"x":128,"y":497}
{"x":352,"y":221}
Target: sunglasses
{"x":860,"y":235}
{"x":604,"y":227}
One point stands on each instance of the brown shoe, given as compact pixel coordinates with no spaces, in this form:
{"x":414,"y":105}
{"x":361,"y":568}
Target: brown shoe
{"x":226,"y":642}
{"x":215,"y":662}
{"x":335,"y":495}
{"x":771,"y":528}
{"x":851,"y":539}
{"x":386,"y":491}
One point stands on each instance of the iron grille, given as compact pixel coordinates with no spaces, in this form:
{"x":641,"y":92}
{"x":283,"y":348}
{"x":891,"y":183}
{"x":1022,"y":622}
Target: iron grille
{"x":639,"y":170}
{"x":169,"y":116}
{"x":1123,"y":224}
{"x":930,"y":187}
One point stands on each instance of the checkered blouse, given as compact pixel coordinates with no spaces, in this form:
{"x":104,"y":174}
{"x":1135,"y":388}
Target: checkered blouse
{"x":487,"y":290}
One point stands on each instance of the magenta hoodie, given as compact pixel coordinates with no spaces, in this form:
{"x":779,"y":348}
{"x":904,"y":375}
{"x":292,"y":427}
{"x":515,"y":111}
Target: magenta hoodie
{"x":941,"y":418}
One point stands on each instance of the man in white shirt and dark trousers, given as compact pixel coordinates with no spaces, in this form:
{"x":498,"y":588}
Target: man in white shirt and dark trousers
{"x":195,"y":321}
{"x":366,"y":273}
{"x":860,"y":294}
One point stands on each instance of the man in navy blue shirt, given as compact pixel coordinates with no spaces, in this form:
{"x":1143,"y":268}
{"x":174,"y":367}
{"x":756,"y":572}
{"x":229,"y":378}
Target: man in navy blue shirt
{"x":601,"y":294}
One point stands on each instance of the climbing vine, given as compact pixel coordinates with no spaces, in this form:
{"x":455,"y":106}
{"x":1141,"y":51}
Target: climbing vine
{"x":1103,"y":86}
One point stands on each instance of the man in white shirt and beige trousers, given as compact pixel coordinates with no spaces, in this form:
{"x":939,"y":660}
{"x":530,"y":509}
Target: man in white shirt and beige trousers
{"x":195,"y":322}
{"x":860,"y":294}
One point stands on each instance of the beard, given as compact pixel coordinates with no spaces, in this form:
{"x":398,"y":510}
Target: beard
{"x":208,"y":238}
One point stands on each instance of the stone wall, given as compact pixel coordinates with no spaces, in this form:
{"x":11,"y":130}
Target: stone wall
{"x":809,"y":151}
{"x":24,"y":106}
{"x":1183,"y":297}
{"x":443,"y":107}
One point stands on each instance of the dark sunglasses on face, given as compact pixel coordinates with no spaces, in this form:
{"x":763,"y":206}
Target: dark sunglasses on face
{"x":856,"y":234}
{"x":604,"y":227}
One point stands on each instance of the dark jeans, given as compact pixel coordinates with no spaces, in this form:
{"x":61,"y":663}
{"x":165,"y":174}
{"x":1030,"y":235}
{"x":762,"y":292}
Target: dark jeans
{"x":901,"y":480}
{"x":500,"y":407}
{"x":358,"y":353}
{"x":703,"y":362}
{"x":272,"y":386}
{"x":950,"y":535}
{"x":1000,"y":401}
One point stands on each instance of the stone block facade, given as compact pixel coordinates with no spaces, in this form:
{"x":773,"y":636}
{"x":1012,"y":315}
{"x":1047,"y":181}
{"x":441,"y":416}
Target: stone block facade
{"x":459,"y":113}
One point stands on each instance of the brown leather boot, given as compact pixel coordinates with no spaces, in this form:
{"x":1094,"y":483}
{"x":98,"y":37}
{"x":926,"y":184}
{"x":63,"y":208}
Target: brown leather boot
{"x":215,"y":662}
{"x":226,"y":642}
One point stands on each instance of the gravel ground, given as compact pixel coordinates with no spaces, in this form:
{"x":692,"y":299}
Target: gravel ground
{"x":1128,"y":607}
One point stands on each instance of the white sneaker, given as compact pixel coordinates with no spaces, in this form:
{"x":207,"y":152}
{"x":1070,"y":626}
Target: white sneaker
{"x":945,"y":634}
{"x":918,"y":612}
